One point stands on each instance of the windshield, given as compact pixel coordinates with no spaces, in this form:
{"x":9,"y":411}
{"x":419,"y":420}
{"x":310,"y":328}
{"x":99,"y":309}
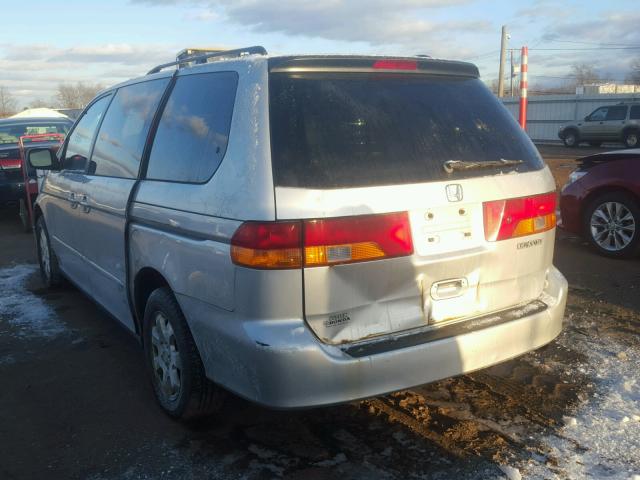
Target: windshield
{"x":10,"y":133}
{"x":333,"y":130}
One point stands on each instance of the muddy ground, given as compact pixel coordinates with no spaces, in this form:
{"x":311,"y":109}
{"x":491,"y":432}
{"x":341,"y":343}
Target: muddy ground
{"x":75,"y":401}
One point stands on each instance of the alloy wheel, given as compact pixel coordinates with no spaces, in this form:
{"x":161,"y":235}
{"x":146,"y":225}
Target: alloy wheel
{"x":612,"y":226}
{"x":167,"y":365}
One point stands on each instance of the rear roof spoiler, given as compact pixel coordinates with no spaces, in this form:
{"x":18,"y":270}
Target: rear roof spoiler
{"x":338,"y":63}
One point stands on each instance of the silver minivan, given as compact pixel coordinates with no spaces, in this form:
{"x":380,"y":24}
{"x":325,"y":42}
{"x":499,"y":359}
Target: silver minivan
{"x":305,"y":230}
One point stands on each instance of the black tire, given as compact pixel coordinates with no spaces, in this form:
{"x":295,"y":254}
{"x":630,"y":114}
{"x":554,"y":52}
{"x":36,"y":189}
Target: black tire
{"x":631,"y":205}
{"x":631,"y":138}
{"x":571,"y":139}
{"x":24,"y":216}
{"x":196,"y":396}
{"x":50,"y":271}
{"x":595,"y":144}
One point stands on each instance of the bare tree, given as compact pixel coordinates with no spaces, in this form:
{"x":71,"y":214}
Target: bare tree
{"x":634,"y":74}
{"x":493,"y":86}
{"x":39,"y":103}
{"x":76,"y":96}
{"x":584,"y":74}
{"x":562,"y":88}
{"x":8,"y":104}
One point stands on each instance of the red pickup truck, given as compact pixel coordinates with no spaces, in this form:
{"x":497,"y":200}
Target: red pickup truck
{"x":12,"y":167}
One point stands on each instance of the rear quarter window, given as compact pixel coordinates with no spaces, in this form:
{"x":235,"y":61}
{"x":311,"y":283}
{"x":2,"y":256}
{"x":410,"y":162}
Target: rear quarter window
{"x":193,"y":133}
{"x":616,"y":113}
{"x":335,"y":130}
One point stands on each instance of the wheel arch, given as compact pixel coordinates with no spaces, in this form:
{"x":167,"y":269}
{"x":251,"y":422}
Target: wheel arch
{"x":573,"y":129}
{"x":37,"y":213}
{"x":630,"y":128}
{"x":603,"y":190}
{"x":146,"y":280}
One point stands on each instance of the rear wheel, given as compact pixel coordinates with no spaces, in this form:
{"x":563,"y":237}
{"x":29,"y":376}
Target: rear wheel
{"x":612,"y":224}
{"x":631,"y":139}
{"x":174,"y":364}
{"x":49,"y":268}
{"x":571,"y":139}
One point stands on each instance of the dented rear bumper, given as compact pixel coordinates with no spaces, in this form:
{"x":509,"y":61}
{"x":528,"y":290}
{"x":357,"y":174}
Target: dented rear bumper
{"x":282,"y":364}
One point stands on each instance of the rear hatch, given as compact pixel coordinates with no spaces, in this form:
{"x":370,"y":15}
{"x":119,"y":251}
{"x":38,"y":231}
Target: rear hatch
{"x":423,"y":200}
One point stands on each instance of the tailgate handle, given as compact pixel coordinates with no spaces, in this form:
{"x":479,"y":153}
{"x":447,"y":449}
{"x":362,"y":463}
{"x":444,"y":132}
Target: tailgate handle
{"x":449,"y":288}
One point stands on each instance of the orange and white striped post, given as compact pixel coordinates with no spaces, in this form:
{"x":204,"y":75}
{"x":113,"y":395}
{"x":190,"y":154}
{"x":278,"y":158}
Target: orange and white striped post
{"x":524,"y":84}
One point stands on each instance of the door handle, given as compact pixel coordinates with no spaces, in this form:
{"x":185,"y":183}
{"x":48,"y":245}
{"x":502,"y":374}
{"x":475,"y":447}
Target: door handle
{"x":84,"y":201}
{"x":72,"y":199}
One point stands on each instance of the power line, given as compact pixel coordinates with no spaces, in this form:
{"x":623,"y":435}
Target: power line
{"x":596,"y":43}
{"x":579,"y":49}
{"x":484,"y":55}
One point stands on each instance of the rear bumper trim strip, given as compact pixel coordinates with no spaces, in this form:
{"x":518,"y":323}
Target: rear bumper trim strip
{"x":446,"y":331}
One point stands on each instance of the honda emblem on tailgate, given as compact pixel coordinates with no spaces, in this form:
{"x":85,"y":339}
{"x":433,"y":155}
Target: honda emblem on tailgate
{"x":454,"y":192}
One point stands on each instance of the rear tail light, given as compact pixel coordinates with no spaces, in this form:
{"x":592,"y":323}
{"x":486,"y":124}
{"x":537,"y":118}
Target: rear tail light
{"x":10,"y":163}
{"x":322,"y":242}
{"x":395,"y":65}
{"x":355,"y":239}
{"x":517,"y":217}
{"x":267,"y":245}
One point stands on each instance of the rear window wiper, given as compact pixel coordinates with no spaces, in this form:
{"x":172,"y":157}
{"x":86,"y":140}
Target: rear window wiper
{"x":457,"y":165}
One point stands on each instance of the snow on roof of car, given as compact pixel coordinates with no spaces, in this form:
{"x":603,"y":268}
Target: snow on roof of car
{"x":39,"y":113}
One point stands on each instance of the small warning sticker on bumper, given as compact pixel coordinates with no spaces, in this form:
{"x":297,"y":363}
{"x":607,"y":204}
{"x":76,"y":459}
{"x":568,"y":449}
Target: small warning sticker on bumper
{"x":337,"y":319}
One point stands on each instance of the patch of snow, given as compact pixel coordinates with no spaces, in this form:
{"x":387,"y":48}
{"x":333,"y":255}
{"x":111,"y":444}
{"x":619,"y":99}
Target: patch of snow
{"x":26,"y":314}
{"x":512,"y":473}
{"x":602,"y":437}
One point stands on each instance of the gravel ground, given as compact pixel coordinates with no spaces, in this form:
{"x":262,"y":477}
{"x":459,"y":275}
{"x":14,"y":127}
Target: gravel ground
{"x":75,"y":401}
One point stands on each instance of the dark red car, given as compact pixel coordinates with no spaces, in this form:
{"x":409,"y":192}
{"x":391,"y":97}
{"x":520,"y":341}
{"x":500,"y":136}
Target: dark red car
{"x":601,"y":202}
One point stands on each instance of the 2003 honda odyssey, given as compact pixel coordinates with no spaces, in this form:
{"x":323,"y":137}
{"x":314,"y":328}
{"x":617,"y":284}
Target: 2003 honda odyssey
{"x":308,"y":230}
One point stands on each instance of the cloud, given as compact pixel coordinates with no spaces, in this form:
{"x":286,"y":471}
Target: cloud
{"x":122,"y":53}
{"x":618,"y":28}
{"x":34,"y":71}
{"x":408,"y":23}
{"x":202,"y":16}
{"x":592,"y":41}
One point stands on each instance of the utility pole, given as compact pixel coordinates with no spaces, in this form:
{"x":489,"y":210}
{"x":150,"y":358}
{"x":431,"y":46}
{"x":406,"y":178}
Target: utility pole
{"x":511,"y":73}
{"x":503,"y":51}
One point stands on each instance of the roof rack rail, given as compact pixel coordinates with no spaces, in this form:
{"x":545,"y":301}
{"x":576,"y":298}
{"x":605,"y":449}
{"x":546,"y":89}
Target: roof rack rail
{"x":239,"y":52}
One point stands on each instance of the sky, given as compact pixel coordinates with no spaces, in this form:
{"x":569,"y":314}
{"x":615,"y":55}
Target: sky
{"x":43,"y":44}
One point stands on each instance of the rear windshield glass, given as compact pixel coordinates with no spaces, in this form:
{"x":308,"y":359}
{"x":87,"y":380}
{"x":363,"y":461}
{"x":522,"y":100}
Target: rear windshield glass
{"x":356,"y":130}
{"x":11,"y":133}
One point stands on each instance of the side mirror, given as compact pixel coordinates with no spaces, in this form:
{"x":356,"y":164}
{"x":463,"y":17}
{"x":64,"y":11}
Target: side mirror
{"x":586,"y":119}
{"x":42,"y":159}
